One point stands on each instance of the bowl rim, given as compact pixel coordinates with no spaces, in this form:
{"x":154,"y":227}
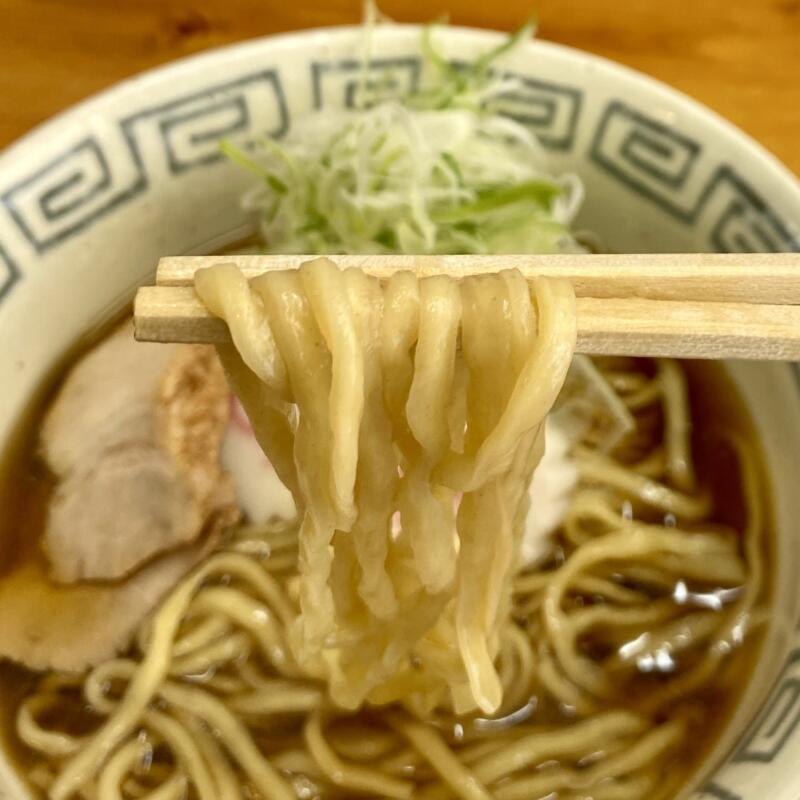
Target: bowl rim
{"x":290,"y":39}
{"x":604,"y":71}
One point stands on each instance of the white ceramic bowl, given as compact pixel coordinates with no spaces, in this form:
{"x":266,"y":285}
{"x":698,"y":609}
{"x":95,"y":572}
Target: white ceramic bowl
{"x":93,"y":198}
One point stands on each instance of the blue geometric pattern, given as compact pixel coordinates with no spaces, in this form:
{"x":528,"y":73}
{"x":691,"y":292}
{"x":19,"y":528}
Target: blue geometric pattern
{"x":550,"y":110}
{"x":660,"y":163}
{"x":95,"y":175}
{"x":717,"y":792}
{"x":189,"y":128}
{"x":337,"y":84}
{"x":651,"y":157}
{"x":744,"y":222}
{"x":9,"y":273}
{"x":779,"y":719}
{"x":71,"y":190}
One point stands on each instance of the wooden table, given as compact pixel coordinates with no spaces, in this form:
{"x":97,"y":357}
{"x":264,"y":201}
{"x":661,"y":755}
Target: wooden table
{"x":740,"y":57}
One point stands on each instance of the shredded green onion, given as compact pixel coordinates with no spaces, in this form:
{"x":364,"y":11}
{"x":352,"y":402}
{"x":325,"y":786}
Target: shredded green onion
{"x":437,"y":171}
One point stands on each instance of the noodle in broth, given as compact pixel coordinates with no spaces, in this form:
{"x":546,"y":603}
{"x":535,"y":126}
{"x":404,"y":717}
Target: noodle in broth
{"x":362,"y":651}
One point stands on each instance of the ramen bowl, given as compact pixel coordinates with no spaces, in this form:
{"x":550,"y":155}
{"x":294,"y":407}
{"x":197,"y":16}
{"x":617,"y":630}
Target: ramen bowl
{"x":91,"y":200}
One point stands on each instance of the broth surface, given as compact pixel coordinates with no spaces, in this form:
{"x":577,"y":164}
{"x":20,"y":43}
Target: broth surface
{"x":717,"y":410}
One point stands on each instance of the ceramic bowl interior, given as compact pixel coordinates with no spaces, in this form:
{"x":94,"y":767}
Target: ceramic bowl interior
{"x":90,"y":201}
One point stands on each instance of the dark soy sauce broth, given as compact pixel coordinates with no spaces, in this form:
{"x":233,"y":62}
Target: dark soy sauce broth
{"x":716,"y":408}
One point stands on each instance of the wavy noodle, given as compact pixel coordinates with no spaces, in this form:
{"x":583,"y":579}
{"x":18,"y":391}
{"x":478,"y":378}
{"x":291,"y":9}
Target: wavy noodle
{"x":386,"y":644}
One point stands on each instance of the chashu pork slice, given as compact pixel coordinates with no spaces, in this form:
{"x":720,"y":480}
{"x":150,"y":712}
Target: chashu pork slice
{"x":133,"y":438}
{"x":47,"y":625}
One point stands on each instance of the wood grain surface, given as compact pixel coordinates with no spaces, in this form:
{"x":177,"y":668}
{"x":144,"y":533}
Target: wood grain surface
{"x":740,"y":57}
{"x":682,"y":306}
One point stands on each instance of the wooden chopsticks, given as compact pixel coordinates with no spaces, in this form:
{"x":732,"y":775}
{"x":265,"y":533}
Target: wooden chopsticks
{"x":682,"y":305}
